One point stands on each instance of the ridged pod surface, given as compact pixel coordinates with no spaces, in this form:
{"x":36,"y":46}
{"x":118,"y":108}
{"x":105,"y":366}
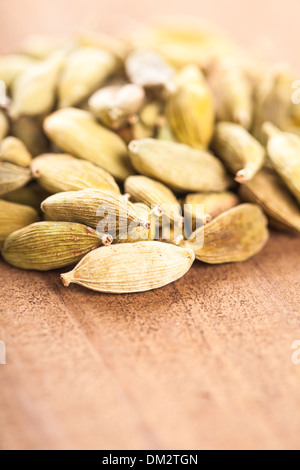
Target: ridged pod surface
{"x":77,"y":132}
{"x":60,"y":172}
{"x":178,"y":166}
{"x":151,"y":192}
{"x":190,"y":109}
{"x":50,"y":245}
{"x":268,"y":190}
{"x":133,"y":267}
{"x":89,"y":207}
{"x":284,"y":152}
{"x":234,"y":236}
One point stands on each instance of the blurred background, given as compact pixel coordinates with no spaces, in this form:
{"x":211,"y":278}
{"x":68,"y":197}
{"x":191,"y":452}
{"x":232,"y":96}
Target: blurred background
{"x":271,"y":26}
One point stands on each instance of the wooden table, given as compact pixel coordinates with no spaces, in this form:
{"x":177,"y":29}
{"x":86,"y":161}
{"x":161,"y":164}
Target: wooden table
{"x":203,"y":363}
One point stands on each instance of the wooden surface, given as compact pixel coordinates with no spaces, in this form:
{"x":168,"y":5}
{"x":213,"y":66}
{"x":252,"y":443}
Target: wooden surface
{"x":203,"y":363}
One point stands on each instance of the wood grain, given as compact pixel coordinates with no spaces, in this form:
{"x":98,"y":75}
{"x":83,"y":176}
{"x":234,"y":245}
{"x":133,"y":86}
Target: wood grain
{"x":203,"y":363}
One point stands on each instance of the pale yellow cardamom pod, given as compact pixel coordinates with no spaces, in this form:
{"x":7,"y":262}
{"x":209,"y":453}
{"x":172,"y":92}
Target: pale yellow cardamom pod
{"x":272,"y":102}
{"x":148,"y":191}
{"x":133,"y":267}
{"x":51,"y":245}
{"x":178,"y":166}
{"x":77,"y":132}
{"x":13,"y":177}
{"x":234,"y":236}
{"x":268,"y":190}
{"x":284,"y":151}
{"x":60,"y":172}
{"x":241,"y":153}
{"x":190,"y":109}
{"x":14,"y":151}
{"x":85,"y":70}
{"x":34,"y":91}
{"x":14,"y":217}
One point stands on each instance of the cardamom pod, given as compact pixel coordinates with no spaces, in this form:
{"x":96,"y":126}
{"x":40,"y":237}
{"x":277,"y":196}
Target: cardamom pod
{"x":93,"y":207}
{"x":13,"y":177}
{"x":284,"y":151}
{"x":213,"y":205}
{"x":186,"y":41}
{"x":190,"y":109}
{"x":272,"y":101}
{"x":77,"y":132}
{"x":32,"y":195}
{"x":232,"y":92}
{"x":30,"y":131}
{"x":57,"y":173}
{"x":117,"y":105}
{"x":268,"y":190}
{"x":133,"y":267}
{"x":14,"y":151}
{"x":11,"y":66}
{"x":148,"y":69}
{"x":51,"y":245}
{"x":14,"y":217}
{"x":4,"y":126}
{"x":153,"y":193}
{"x":240,"y":152}
{"x":34,"y":90}
{"x":85,"y":70}
{"x":234,"y":236}
{"x":178,"y":166}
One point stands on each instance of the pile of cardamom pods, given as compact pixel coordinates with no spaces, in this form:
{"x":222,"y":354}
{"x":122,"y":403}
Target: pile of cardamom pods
{"x":109,"y":147}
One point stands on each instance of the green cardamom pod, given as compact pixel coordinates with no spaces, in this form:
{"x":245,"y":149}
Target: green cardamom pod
{"x":234,"y":236}
{"x":51,"y":245}
{"x":179,"y":166}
